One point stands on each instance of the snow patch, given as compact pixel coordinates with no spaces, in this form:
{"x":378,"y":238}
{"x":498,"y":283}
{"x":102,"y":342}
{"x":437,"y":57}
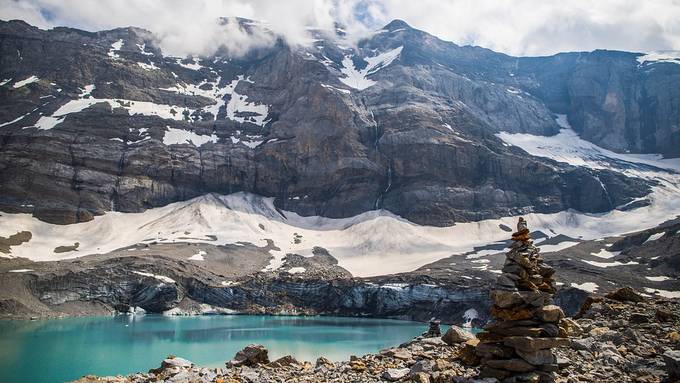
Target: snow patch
{"x":150,"y":66}
{"x":175,"y":136}
{"x":358,"y":79}
{"x":663,"y":293}
{"x":609,"y":264}
{"x":198,"y":256}
{"x":159,"y":277}
{"x":296,"y":270}
{"x":604,"y":254}
{"x":25,"y":82}
{"x":659,"y":279}
{"x":115,"y":47}
{"x":654,"y":237}
{"x":20,"y":270}
{"x":590,"y":287}
{"x":194,"y":65}
{"x":659,"y":57}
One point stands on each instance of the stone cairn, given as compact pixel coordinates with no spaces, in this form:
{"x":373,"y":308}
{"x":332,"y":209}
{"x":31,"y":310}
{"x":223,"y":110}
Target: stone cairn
{"x":516,"y":345}
{"x":434,"y":330}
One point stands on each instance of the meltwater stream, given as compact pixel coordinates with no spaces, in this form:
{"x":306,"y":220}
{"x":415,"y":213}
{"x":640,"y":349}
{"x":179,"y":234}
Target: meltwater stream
{"x":61,"y":350}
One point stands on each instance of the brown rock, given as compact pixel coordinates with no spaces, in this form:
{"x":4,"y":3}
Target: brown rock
{"x":532,"y":344}
{"x":488,"y":372}
{"x":322,"y":361}
{"x":516,"y":365}
{"x":456,"y":335}
{"x":663,"y":315}
{"x":251,"y":355}
{"x":550,"y":313}
{"x":506,"y":299}
{"x":284,"y":361}
{"x":625,"y":294}
{"x":511,"y":314}
{"x":538,"y":357}
{"x":420,"y":377}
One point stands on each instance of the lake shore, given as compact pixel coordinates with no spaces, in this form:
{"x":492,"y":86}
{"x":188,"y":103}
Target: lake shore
{"x":611,"y":340}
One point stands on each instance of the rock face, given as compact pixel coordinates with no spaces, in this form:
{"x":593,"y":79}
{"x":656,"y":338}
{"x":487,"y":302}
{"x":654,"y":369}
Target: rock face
{"x":516,"y":345}
{"x":285,"y":122}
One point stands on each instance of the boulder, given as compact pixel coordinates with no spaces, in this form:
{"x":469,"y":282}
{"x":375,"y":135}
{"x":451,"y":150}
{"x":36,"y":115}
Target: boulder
{"x":672,"y":360}
{"x":284,"y":361}
{"x":625,"y":294}
{"x":456,"y":335}
{"x":394,"y":374}
{"x":173,"y":361}
{"x":251,"y":355}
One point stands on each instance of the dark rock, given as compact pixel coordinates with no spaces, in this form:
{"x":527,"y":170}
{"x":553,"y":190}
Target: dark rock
{"x":625,"y":294}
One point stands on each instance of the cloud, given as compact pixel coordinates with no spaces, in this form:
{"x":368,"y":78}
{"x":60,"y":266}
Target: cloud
{"x":518,"y":27}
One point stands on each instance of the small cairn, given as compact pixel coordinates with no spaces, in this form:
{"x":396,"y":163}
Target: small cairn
{"x":434,"y":330}
{"x":516,"y":345}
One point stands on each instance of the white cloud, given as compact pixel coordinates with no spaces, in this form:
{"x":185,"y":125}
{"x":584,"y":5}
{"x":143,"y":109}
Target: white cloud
{"x":518,"y":27}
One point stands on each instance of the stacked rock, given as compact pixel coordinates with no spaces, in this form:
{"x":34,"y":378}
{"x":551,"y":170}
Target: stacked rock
{"x":434,"y":330}
{"x":516,"y":345}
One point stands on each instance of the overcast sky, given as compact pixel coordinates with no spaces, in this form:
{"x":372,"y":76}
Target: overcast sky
{"x":517,"y":27}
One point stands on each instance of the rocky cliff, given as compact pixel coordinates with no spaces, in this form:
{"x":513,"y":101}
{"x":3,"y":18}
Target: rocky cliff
{"x":97,"y":122}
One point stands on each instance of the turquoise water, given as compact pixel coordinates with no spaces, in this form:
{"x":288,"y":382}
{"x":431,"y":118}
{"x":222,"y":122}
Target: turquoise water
{"x":60,"y":350}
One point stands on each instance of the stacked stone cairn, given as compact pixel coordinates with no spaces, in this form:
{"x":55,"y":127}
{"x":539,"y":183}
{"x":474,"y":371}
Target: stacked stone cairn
{"x":434,"y":330}
{"x":516,"y":345}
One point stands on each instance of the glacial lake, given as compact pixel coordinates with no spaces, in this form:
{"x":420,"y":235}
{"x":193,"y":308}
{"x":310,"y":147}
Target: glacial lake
{"x":59,"y":350}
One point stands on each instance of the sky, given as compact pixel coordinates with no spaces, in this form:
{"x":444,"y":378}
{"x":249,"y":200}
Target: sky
{"x":516,"y":27}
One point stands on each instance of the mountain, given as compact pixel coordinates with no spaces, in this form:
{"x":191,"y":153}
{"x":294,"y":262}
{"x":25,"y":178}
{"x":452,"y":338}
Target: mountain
{"x":405,"y":122}
{"x":346,"y":179}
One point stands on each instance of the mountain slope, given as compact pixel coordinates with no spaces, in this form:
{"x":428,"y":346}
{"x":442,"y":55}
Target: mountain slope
{"x":97,"y":122}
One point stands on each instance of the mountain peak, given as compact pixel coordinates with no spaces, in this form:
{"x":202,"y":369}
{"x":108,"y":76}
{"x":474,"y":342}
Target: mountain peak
{"x":396,"y":24}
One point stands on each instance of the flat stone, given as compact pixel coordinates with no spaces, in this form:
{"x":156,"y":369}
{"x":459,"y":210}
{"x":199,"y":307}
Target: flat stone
{"x":532,"y":344}
{"x":515,"y":365}
{"x":537,"y":357}
{"x":511,"y":314}
{"x":505,"y":299}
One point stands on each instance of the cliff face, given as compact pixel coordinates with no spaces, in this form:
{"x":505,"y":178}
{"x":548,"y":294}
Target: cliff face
{"x":94,"y":122}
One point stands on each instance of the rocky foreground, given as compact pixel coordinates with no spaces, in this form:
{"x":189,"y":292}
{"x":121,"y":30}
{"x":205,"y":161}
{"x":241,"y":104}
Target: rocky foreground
{"x":623,"y":337}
